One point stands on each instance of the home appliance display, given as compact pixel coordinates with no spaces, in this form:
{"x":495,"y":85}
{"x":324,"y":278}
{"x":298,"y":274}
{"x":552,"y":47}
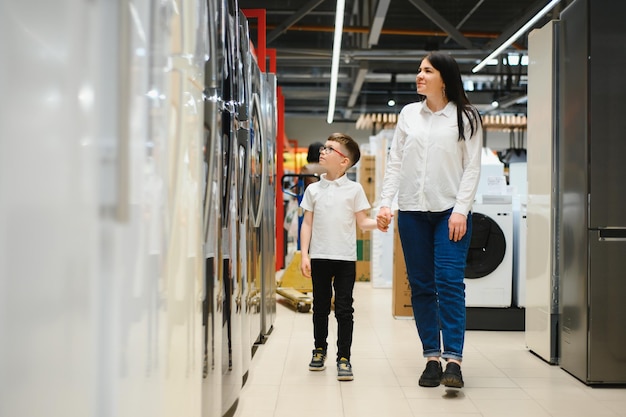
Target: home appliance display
{"x":520,"y":233}
{"x":542,"y":214}
{"x":518,"y":184}
{"x":489,"y":270}
{"x":131,"y":207}
{"x":591,"y":161}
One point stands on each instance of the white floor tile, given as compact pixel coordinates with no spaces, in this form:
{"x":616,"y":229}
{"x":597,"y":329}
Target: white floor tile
{"x":502,"y":378}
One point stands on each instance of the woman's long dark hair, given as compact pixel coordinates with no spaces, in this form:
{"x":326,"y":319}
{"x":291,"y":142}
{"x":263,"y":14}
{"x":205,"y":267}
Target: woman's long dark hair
{"x":451,"y":75}
{"x":314,"y":152}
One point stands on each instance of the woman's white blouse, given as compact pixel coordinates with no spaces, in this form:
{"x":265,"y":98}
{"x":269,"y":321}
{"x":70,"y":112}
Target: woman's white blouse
{"x":428,"y":166}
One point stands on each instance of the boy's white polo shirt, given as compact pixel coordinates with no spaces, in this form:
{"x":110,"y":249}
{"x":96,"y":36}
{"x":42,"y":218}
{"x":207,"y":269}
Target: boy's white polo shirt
{"x":334,"y":205}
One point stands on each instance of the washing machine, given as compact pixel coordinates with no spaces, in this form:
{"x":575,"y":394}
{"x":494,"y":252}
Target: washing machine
{"x":489,"y":269}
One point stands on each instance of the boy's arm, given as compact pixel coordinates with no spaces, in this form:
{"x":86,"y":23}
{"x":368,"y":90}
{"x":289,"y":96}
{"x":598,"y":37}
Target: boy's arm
{"x":305,"y":240}
{"x":363,"y":221}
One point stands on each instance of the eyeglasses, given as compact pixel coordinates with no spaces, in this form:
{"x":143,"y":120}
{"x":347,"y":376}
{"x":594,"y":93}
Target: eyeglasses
{"x":328,"y":149}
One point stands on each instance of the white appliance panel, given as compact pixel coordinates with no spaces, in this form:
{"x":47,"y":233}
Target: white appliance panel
{"x":494,"y":289}
{"x":540,"y":291}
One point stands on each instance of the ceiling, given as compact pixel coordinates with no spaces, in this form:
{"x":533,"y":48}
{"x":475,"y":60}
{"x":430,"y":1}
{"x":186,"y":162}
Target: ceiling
{"x":382,"y":45}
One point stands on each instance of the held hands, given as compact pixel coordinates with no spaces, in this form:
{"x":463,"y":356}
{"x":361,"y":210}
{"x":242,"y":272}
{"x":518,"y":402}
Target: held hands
{"x":383,"y":219}
{"x":457,"y":224}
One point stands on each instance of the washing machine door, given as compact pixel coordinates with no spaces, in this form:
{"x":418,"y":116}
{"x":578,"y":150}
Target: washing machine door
{"x":487,"y":247}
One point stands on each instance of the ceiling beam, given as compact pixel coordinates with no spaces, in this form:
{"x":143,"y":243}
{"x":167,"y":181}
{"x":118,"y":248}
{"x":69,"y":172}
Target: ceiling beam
{"x":293,"y":19}
{"x":379,"y":20}
{"x":358,"y":84}
{"x":467,"y":16}
{"x":356,"y":88}
{"x":396,"y":55}
{"x":507,"y":33}
{"x":401,"y":54}
{"x":374,"y":34}
{"x":439,"y":20}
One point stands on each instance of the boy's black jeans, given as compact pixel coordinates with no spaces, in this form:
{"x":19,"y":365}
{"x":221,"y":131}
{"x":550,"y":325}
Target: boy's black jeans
{"x":344,"y":273}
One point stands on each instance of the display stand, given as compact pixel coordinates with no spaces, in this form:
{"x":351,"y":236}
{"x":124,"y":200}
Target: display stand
{"x":501,"y":319}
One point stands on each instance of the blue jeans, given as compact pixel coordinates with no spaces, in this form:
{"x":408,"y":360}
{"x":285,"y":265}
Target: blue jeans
{"x":340,"y":275}
{"x":436,"y":269}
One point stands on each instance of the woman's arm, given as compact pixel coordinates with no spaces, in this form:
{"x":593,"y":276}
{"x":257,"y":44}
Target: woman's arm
{"x":472,"y":152}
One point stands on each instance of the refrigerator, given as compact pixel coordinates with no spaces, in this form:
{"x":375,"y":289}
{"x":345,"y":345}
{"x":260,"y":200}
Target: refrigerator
{"x":542,"y":233}
{"x":268,"y":209}
{"x":100,"y":161}
{"x":593,"y":202}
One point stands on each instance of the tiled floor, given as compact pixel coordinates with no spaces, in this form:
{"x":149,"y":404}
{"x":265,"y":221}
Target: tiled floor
{"x":502,"y":378}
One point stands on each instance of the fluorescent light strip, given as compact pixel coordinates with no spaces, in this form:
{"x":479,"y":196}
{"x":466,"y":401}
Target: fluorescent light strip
{"x":516,"y":35}
{"x":334,"y":71}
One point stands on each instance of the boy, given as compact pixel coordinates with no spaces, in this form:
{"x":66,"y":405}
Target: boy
{"x":328,"y":243}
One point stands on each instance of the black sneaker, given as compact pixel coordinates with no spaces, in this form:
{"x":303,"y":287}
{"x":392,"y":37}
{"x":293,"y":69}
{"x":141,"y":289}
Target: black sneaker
{"x":318,"y":359}
{"x":344,"y":370}
{"x":452,"y":376}
{"x":431,"y":377}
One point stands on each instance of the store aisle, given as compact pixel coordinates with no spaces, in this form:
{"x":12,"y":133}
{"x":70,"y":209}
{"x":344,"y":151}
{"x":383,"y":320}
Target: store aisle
{"x":502,"y":378}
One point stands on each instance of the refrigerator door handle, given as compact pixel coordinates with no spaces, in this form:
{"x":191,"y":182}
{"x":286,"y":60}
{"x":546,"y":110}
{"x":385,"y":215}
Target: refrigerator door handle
{"x":611,"y":234}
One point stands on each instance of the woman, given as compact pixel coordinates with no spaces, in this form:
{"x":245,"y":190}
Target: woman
{"x":313,"y":166}
{"x":434,"y":167}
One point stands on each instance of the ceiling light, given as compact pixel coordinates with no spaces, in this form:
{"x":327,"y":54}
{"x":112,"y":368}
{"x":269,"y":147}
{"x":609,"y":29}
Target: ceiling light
{"x":391,"y":102}
{"x":516,"y":35}
{"x":334,"y":69}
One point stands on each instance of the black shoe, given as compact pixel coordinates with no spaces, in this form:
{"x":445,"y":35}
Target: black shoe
{"x":344,"y":370}
{"x":452,"y":376}
{"x":318,"y":359}
{"x":431,"y":377}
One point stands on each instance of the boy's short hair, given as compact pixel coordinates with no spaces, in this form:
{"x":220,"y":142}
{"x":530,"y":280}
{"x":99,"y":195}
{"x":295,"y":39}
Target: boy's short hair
{"x":350,"y":145}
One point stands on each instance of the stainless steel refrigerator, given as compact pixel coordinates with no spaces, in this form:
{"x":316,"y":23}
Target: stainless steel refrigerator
{"x":593,"y":202}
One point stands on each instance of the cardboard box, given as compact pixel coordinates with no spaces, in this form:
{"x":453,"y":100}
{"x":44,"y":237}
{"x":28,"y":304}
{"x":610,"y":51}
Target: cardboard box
{"x":363,"y":271}
{"x":366,"y":176}
{"x":401,"y":291}
{"x":370,"y":192}
{"x":367,"y":163}
{"x":363,"y":255}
